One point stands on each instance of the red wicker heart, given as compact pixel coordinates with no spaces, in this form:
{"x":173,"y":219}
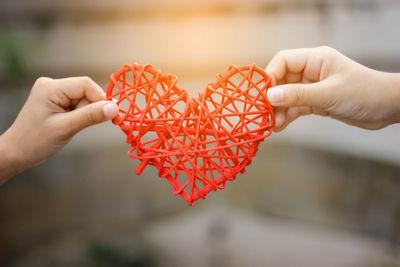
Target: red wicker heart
{"x":196,"y":143}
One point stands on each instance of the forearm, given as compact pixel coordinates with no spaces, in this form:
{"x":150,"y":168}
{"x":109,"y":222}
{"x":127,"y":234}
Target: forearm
{"x":10,"y":162}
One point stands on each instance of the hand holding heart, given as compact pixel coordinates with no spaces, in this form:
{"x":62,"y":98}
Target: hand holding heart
{"x":322,"y":81}
{"x":55,"y":111}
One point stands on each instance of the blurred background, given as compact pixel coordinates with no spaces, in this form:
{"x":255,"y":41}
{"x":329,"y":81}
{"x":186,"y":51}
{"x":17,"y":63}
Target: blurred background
{"x":321,"y":193}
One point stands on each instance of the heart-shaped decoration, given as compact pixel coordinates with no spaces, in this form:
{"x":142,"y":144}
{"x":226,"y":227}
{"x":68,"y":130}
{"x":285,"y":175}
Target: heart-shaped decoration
{"x":196,"y":143}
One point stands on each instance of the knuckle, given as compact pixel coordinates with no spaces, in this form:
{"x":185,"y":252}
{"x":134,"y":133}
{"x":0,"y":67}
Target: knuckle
{"x":326,"y":50}
{"x":282,"y":53}
{"x":43,"y":82}
{"x":42,"y":86}
{"x":86,"y":80}
{"x":279,"y":53}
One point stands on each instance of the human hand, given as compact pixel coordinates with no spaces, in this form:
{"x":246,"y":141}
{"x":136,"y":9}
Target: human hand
{"x":322,"y":81}
{"x":55,"y":111}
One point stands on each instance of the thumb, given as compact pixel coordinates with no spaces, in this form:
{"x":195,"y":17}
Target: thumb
{"x":90,"y":114}
{"x":289,"y":95}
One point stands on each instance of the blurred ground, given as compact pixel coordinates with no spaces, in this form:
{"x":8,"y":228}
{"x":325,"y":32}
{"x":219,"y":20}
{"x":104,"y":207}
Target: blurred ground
{"x":294,"y":205}
{"x":319,"y":194}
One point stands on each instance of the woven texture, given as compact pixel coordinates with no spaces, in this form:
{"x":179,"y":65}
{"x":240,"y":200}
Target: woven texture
{"x":196,"y":143}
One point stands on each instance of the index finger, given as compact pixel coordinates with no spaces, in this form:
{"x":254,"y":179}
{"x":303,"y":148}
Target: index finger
{"x":293,"y":64}
{"x":81,"y":87}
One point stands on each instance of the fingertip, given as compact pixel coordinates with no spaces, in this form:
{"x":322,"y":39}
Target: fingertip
{"x":277,"y":130}
{"x":110,"y":110}
{"x":280,"y":126}
{"x":280,"y":118}
{"x":275,"y":95}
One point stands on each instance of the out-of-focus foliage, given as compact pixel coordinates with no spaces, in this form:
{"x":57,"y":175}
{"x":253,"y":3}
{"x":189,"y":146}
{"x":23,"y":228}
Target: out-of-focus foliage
{"x":12,"y":56}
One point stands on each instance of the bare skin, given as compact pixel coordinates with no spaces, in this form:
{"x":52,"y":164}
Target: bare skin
{"x":322,"y":81}
{"x":55,"y":111}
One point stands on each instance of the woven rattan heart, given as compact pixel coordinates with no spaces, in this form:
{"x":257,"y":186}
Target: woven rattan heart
{"x":196,"y":143}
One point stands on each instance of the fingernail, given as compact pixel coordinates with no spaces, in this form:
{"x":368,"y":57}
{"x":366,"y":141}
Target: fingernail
{"x":275,"y":94}
{"x":110,"y":110}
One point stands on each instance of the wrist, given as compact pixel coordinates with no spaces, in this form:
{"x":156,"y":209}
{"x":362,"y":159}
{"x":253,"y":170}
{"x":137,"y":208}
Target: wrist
{"x":393,"y":84}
